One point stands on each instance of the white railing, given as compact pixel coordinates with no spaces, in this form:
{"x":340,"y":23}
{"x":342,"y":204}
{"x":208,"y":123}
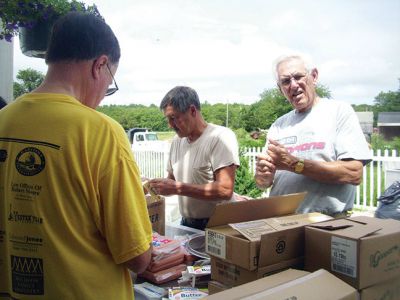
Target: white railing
{"x":152,"y":164}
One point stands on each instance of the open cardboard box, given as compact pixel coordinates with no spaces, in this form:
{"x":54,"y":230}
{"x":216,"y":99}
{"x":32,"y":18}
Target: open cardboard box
{"x":362,"y":251}
{"x":292,"y":284}
{"x":284,"y":242}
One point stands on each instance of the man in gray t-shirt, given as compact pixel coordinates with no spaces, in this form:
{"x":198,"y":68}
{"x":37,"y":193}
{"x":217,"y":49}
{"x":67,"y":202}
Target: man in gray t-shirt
{"x":318,"y":147}
{"x":202,"y":162}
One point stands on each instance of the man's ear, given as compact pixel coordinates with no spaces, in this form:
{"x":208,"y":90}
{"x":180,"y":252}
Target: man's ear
{"x":193,"y":110}
{"x":279,"y":87}
{"x":98,"y":64}
{"x":314,"y":74}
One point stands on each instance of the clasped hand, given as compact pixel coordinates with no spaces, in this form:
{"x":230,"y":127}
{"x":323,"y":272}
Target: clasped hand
{"x":163,"y":186}
{"x":277,"y":157}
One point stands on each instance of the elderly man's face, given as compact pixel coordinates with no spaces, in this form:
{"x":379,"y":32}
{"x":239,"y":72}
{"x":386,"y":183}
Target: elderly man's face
{"x":297,"y":85}
{"x":178,"y":121}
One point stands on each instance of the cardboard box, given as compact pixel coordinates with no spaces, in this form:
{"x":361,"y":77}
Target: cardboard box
{"x":224,"y":242}
{"x":232,"y":275}
{"x":292,"y":284}
{"x":388,"y":290}
{"x":156,"y":208}
{"x":362,"y":251}
{"x":258,"y":285}
{"x":216,"y":287}
{"x":281,"y":239}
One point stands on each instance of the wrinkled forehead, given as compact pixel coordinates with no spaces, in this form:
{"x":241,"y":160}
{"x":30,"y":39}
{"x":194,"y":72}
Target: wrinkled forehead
{"x":170,"y":111}
{"x":290,"y":67}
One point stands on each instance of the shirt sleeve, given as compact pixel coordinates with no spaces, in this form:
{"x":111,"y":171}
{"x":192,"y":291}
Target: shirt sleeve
{"x":350,"y":141}
{"x":225,"y":151}
{"x":124,"y":219}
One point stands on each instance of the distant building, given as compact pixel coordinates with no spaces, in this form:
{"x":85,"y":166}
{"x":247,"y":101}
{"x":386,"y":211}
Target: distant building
{"x":389,"y":124}
{"x":366,"y":119}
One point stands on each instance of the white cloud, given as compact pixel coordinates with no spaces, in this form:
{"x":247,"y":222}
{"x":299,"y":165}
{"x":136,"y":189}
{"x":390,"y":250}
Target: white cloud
{"x":224,"y":48}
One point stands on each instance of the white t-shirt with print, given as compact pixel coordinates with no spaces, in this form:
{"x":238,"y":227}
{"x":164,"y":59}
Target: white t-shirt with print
{"x":330,"y":131}
{"x":196,"y":163}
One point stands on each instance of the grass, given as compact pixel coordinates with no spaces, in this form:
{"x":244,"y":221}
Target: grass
{"x":165,"y":135}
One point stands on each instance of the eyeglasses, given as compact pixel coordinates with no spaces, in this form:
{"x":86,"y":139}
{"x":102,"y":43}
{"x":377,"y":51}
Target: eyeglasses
{"x":111,"y":90}
{"x":286,"y":81}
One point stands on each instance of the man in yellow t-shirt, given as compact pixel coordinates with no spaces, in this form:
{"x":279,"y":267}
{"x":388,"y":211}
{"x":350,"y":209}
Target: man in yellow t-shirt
{"x":73,"y":218}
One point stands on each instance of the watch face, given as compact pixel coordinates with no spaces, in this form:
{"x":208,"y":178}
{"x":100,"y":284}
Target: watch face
{"x":299,"y":167}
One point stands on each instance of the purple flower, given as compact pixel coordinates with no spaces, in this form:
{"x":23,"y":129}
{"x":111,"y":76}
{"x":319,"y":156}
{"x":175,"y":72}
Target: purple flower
{"x":8,"y":37}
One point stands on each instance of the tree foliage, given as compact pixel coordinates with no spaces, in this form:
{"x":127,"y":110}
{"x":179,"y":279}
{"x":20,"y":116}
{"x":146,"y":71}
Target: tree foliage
{"x":272,"y":105}
{"x":27,"y":80}
{"x":242,"y":118}
{"x":134,"y":115}
{"x":388,"y":101}
{"x":244,"y":180}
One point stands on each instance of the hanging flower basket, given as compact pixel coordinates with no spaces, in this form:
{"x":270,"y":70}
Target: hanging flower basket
{"x":33,"y":20}
{"x":34,"y":41}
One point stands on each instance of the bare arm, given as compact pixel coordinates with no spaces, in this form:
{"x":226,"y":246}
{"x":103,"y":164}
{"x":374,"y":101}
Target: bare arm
{"x":220,"y":189}
{"x":139,"y":263}
{"x":335,"y":172}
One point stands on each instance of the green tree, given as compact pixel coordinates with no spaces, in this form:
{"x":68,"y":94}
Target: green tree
{"x":388,"y":101}
{"x":27,"y":80}
{"x":271,"y":106}
{"x":244,"y":180}
{"x":245,"y":140}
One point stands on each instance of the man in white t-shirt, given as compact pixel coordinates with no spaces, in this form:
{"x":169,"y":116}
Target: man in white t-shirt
{"x":318,"y":147}
{"x":203,"y":159}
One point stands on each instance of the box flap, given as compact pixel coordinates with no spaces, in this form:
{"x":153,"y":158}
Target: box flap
{"x":311,"y":286}
{"x":348,"y":228}
{"x":253,"y":230}
{"x":258,"y":285}
{"x":242,"y":211}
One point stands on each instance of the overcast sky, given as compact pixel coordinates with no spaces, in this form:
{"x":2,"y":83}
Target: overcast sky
{"x":224,"y":49}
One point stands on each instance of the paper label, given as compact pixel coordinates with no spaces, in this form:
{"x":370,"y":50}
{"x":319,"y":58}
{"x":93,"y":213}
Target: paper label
{"x":344,"y":256}
{"x":253,"y":230}
{"x":199,"y":270}
{"x":216,"y":244}
{"x":178,"y":293}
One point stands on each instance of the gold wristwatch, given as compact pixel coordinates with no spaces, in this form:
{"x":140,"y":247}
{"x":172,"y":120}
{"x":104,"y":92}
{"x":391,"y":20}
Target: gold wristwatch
{"x":299,"y":166}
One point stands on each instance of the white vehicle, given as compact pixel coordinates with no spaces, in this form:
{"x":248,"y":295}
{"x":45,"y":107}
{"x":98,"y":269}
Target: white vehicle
{"x":143,"y":139}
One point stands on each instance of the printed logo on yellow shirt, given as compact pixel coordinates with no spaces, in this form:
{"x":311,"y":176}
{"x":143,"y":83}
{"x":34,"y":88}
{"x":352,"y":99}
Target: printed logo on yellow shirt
{"x":30,"y":161}
{"x":27,"y":275}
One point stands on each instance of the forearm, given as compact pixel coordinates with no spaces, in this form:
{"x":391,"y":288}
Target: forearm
{"x":208,"y":191}
{"x":336,"y":172}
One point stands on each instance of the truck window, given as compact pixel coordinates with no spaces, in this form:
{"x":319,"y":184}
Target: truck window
{"x":151,"y":137}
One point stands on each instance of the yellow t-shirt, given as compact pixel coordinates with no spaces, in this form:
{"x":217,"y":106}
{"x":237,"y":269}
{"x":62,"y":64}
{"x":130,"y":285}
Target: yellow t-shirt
{"x":72,"y":207}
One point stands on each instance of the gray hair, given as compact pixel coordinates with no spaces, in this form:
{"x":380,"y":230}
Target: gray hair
{"x":181,"y":98}
{"x":284,"y":58}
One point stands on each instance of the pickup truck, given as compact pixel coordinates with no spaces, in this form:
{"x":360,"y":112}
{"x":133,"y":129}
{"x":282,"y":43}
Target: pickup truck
{"x":143,"y":139}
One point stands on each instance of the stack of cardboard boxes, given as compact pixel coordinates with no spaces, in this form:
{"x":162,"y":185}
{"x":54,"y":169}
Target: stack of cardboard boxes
{"x":362,"y":251}
{"x":266,"y":238}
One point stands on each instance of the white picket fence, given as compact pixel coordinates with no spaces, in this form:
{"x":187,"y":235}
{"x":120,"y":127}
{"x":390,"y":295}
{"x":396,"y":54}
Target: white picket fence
{"x":152,"y":164}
